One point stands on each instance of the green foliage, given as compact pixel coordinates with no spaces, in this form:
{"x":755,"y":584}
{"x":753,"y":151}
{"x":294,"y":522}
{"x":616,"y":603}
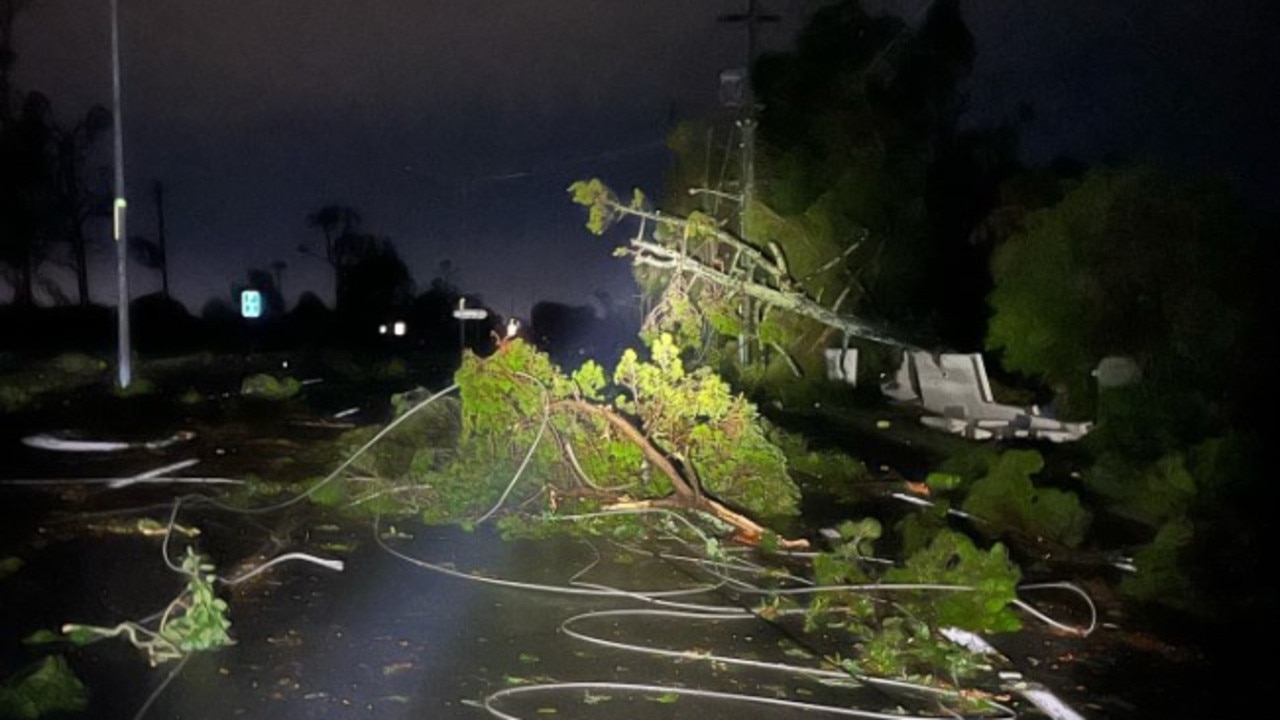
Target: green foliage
{"x":139,"y":387}
{"x":952,"y":559}
{"x":687,"y":317}
{"x":593,"y":195}
{"x":590,"y":381}
{"x":51,"y":689}
{"x":904,"y":647}
{"x":1007,"y":499}
{"x":42,"y":637}
{"x":420,"y":444}
{"x":330,"y":494}
{"x":270,"y":387}
{"x":918,"y":529}
{"x":826,"y":471}
{"x":1162,"y":576}
{"x":78,"y":364}
{"x":25,"y":383}
{"x":835,"y":607}
{"x":1131,"y":263}
{"x":9,"y":566}
{"x":696,"y":417}
{"x":943,"y":482}
{"x":504,"y":392}
{"x":13,"y":398}
{"x":394,"y":369}
{"x":197,"y":620}
{"x":546,"y":441}
{"x":971,"y":462}
{"x":1199,"y":506}
{"x":194,"y":621}
{"x":1151,"y":494}
{"x":896,"y":635}
{"x":857,"y":538}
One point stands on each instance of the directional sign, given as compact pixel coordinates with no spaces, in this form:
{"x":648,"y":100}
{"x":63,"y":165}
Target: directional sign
{"x":251,"y":304}
{"x":471,"y":313}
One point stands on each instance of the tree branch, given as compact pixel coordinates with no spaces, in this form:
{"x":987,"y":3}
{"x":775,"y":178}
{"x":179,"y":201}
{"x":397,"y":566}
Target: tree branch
{"x":688,"y":496}
{"x":682,"y":485}
{"x":656,"y":255}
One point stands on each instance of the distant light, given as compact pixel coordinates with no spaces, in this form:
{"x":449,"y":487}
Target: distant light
{"x":382,"y":329}
{"x":399,"y":328}
{"x":251,"y":304}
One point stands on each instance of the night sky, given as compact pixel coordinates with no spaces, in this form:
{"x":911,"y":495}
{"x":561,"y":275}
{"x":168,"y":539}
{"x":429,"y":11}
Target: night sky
{"x":454,"y":127}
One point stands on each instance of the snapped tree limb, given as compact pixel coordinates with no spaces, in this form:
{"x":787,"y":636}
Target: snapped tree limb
{"x":775,"y":287}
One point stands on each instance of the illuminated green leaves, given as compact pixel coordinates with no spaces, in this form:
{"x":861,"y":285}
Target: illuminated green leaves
{"x":595,"y":197}
{"x":1007,"y":499}
{"x":697,"y":416}
{"x":203,"y":625}
{"x":589,"y":380}
{"x":985,"y":581}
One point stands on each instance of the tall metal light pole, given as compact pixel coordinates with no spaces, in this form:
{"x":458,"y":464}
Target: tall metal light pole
{"x":118,"y":209}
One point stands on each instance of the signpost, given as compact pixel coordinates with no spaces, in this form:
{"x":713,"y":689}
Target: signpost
{"x":462,"y":315}
{"x":250,"y":304}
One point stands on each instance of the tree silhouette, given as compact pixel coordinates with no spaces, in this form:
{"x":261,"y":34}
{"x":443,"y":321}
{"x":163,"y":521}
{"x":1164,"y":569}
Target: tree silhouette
{"x":335,"y":221}
{"x":44,"y":199}
{"x":21,"y":170}
{"x":27,"y":193}
{"x":565,"y":332}
{"x":277,"y":271}
{"x":372,"y":279}
{"x":161,"y":241}
{"x":851,"y":126}
{"x":150,"y":254}
{"x":264,"y":281}
{"x":78,"y":201}
{"x":9,"y":10}
{"x":431,"y":314}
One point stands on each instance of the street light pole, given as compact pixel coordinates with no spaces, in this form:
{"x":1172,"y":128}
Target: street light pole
{"x":118,"y":208}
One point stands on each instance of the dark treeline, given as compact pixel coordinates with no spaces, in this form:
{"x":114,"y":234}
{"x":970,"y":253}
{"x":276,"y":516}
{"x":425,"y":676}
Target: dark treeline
{"x":55,"y":203}
{"x":884,"y":203}
{"x":572,"y":334}
{"x":51,"y":193}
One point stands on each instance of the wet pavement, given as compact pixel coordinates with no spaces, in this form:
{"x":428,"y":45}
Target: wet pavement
{"x":401,"y":632}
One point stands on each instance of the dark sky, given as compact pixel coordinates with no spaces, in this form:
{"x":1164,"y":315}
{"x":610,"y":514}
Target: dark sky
{"x":454,"y":127}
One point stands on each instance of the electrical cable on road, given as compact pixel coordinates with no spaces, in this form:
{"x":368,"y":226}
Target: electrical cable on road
{"x":722,"y":567}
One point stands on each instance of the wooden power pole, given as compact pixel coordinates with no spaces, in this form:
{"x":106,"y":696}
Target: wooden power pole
{"x":751,"y":20}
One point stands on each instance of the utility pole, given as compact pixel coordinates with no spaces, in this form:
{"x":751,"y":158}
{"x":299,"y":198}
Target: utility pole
{"x":751,"y":19}
{"x":118,"y":209}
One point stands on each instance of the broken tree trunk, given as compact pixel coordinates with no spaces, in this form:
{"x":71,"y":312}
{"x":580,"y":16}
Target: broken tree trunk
{"x":687,"y":493}
{"x":752,"y":273}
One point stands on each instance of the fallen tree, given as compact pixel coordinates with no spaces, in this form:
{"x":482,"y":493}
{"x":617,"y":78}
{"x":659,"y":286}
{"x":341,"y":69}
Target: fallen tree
{"x":663,"y":437}
{"x":710,"y":272}
{"x":531,"y":443}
